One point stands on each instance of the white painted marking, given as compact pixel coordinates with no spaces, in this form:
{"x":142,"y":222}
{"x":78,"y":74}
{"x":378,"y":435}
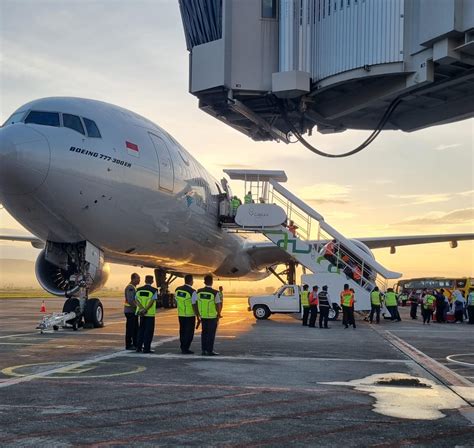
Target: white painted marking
{"x":469,"y":364}
{"x":17,"y":335}
{"x":270,"y":358}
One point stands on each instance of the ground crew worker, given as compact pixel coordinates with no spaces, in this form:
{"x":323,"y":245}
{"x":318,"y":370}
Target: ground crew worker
{"x":414,"y":298}
{"x":207,"y":306}
{"x":186,"y":316}
{"x":391,"y":302}
{"x":313,"y":306}
{"x":234,"y":205}
{"x":470,"y":306}
{"x":324,"y":306}
{"x":129,"y":306}
{"x":427,"y":307}
{"x":304,"y":296}
{"x":347,"y":303}
{"x":248,"y":198}
{"x":292,"y":227}
{"x":221,"y":292}
{"x":375,"y":302}
{"x":145,"y":298}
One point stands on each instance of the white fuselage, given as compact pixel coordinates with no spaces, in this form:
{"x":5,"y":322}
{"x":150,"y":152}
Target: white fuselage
{"x":155,"y":206}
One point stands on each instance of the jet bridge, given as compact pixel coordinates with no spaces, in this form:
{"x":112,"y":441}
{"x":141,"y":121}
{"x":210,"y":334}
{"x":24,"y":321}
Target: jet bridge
{"x":275,"y":68}
{"x":303,"y":233}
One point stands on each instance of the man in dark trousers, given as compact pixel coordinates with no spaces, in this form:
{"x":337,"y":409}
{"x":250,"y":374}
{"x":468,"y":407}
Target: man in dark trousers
{"x":414,"y":299}
{"x":440,"y":304}
{"x":184,"y":296}
{"x":208,"y":307}
{"x":313,"y":307}
{"x":324,"y":306}
{"x":347,"y":303}
{"x":375,"y":303}
{"x":304,"y":296}
{"x":129,"y":306}
{"x":145,"y":298}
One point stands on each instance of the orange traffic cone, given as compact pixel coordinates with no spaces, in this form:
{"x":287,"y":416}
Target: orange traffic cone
{"x":43,"y":307}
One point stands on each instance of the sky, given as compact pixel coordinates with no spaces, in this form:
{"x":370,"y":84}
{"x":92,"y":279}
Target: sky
{"x":133,"y":54}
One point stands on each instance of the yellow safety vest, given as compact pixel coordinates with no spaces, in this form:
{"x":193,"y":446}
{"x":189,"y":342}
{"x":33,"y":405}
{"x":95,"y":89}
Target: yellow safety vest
{"x":184,"y":302}
{"x":375,"y":298}
{"x":347,"y":299}
{"x":390,"y":299}
{"x":428,"y":302}
{"x":206,"y":301}
{"x":143,"y":297}
{"x":248,"y":199}
{"x":305,"y":298}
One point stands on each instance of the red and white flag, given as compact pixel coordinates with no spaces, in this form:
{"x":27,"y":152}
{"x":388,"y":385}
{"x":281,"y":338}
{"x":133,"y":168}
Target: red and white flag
{"x":132,"y":148}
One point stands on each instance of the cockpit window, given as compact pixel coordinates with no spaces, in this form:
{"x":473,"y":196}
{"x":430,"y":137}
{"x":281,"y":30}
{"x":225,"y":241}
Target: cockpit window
{"x":73,"y":122}
{"x":15,"y":118}
{"x":43,"y":118}
{"x":92,"y":129}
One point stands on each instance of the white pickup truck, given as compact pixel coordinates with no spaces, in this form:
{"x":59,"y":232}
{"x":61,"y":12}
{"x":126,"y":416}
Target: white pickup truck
{"x":285,"y":300}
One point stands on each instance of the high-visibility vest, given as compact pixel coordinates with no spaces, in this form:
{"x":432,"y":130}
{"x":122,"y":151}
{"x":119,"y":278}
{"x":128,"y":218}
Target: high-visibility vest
{"x":127,"y":306}
{"x":206,"y":300}
{"x":347,"y":298}
{"x":428,"y":302}
{"x":313,"y":299}
{"x":234,"y":204}
{"x":184,"y":302}
{"x":143,"y":296}
{"x":390,"y":299}
{"x":357,"y":273}
{"x":323,"y":299}
{"x":375,"y":298}
{"x":248,"y":199}
{"x":470,"y":299}
{"x":305,"y":298}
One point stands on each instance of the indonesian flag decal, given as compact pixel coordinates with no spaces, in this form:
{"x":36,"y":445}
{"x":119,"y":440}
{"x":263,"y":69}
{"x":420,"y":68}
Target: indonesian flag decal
{"x":132,"y":148}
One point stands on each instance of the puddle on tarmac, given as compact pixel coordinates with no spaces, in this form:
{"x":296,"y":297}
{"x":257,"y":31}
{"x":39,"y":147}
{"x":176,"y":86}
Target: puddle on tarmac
{"x":404,"y":396}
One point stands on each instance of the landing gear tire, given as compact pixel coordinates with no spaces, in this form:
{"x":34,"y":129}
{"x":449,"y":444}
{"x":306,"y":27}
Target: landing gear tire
{"x":333,"y":314}
{"x":94,"y":313}
{"x":261,"y":312}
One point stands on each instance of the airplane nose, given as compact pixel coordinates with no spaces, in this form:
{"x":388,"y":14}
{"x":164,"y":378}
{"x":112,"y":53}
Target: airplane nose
{"x":24,"y":159}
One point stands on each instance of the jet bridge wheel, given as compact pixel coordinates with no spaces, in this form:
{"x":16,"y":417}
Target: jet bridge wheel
{"x":94,"y":313}
{"x":261,"y":312}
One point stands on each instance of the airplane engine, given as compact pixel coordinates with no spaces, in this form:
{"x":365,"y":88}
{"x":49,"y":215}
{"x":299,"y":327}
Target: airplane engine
{"x":55,"y":277}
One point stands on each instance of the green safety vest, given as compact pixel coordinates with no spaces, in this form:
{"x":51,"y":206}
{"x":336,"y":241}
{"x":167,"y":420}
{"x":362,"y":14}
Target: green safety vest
{"x":428,"y":302}
{"x":305,"y":298}
{"x":375,"y":298}
{"x":248,"y":199}
{"x":347,"y":299}
{"x":143,"y":297}
{"x":234,"y":204}
{"x":390,"y":299}
{"x":183,"y":300}
{"x":206,"y":301}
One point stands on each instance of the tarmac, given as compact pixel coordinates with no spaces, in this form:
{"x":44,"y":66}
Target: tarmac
{"x":275,"y":383}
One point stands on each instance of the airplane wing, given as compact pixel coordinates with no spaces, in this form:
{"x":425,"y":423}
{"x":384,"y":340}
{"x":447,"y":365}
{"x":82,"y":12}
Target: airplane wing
{"x":35,"y":241}
{"x":264,"y":254}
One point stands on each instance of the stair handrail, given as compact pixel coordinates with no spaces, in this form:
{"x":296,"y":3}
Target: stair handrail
{"x":348,"y":244}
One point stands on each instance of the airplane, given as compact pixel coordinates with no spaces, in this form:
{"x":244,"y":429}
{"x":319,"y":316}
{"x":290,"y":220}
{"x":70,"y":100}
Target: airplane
{"x":95,"y":183}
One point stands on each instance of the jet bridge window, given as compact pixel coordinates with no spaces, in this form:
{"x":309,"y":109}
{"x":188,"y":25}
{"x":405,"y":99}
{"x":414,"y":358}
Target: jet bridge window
{"x":269,"y":9}
{"x":73,"y":122}
{"x":92,"y":129}
{"x":43,"y":118}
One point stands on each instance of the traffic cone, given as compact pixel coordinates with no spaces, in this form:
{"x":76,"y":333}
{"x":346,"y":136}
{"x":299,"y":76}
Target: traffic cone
{"x":43,"y":307}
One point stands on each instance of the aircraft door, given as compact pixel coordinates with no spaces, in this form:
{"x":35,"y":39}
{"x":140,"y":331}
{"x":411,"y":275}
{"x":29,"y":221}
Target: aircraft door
{"x":165,"y":163}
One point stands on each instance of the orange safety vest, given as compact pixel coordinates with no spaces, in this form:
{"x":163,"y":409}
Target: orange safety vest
{"x":347,"y":298}
{"x":313,"y":298}
{"x":357,"y":273}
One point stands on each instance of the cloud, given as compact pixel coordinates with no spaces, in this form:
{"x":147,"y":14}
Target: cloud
{"x":326,"y":193}
{"x":451,"y":146}
{"x":416,"y":199}
{"x":461,"y":216}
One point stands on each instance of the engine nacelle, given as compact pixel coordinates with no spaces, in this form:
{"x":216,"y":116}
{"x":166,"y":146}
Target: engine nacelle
{"x":55,"y":279}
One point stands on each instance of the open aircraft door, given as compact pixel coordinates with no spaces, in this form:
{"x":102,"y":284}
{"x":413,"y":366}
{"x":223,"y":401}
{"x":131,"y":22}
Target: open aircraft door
{"x":165,"y":163}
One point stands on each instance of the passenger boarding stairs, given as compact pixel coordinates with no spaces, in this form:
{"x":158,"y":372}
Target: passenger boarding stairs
{"x":351,"y":262}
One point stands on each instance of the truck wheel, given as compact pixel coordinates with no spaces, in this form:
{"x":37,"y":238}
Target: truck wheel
{"x":333,"y":314}
{"x":94,"y":313}
{"x":261,"y":312}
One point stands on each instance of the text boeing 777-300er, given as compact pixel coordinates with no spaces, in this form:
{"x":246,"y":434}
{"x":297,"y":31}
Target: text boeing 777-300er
{"x":94,"y":183}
